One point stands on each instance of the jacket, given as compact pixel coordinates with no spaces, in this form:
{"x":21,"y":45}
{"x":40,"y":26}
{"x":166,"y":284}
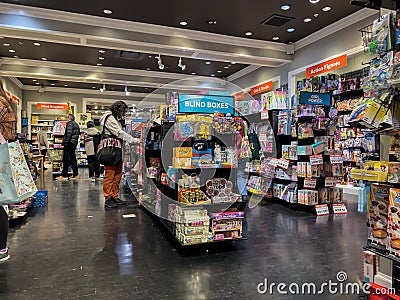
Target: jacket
{"x":72,"y":132}
{"x":113,"y":127}
{"x":89,"y":143}
{"x":42,"y":140}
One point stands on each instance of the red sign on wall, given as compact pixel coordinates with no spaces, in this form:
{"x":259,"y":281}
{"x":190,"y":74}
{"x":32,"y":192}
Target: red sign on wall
{"x":265,"y":87}
{"x":327,"y":66}
{"x":238,"y":96}
{"x":52,"y":106}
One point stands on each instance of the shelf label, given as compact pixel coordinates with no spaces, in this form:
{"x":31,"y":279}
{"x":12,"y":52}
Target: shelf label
{"x":264,"y":115}
{"x":336,"y":159}
{"x":339,"y":209}
{"x":56,"y":106}
{"x":330,"y":182}
{"x":207,"y":104}
{"x":322,"y":210}
{"x":310,"y":183}
{"x":316,"y":160}
{"x":327,"y":66}
{"x":312,"y":98}
{"x":283,"y":163}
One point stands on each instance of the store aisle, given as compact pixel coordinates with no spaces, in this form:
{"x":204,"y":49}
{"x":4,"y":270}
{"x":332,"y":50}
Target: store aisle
{"x":73,"y":248}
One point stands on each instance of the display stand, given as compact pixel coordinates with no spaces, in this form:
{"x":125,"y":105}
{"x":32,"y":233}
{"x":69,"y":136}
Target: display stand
{"x":191,"y":179}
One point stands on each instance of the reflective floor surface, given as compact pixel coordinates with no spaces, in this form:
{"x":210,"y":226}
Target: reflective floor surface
{"x":73,"y":249}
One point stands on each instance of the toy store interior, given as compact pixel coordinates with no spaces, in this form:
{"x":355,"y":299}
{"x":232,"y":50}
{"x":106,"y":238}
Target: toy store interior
{"x":265,"y":160}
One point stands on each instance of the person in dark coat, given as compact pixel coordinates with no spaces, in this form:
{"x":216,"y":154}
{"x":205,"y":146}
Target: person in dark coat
{"x":70,"y":141}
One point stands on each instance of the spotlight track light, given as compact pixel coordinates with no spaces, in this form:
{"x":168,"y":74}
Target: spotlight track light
{"x":159,"y":61}
{"x":180,"y":65}
{"x":127,"y":93}
{"x":103,"y":89}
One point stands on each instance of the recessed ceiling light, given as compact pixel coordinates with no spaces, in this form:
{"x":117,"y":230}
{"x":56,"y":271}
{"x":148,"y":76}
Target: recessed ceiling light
{"x":150,"y":56}
{"x":193,"y":73}
{"x":101,"y":58}
{"x":275,"y":38}
{"x":212,"y":75}
{"x":20,"y":43}
{"x":219,"y":71}
{"x":37,"y":83}
{"x":248,"y":33}
{"x":314,"y":1}
{"x":148,"y":69}
{"x":65,"y":85}
{"x":285,"y":7}
{"x":226,"y":67}
{"x":212,"y":22}
{"x":34,"y":80}
{"x":102,"y":51}
{"x":93,"y":87}
{"x":36,"y":44}
{"x":290,"y":30}
{"x":183,"y":23}
{"x":307,"y":20}
{"x":316,"y":15}
{"x":107,"y":11}
{"x":52,"y":84}
{"x":11,"y":51}
{"x":208,"y":62}
{"x":44,"y":58}
{"x":233,"y":63}
{"x":99,"y":64}
{"x":326,"y":8}
{"x":6,"y":45}
{"x":16,"y":56}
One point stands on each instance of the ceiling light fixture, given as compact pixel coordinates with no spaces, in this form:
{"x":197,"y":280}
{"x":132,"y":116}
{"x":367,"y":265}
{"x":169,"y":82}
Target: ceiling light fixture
{"x":103,"y":89}
{"x":314,"y":1}
{"x":11,"y":51}
{"x":107,"y":11}
{"x":66,"y":85}
{"x":160,"y":63}
{"x":44,"y":58}
{"x":307,"y":20}
{"x":248,"y":33}
{"x":37,"y":83}
{"x":6,"y":45}
{"x":208,"y":62}
{"x":101,"y":58}
{"x":36,"y":44}
{"x":275,"y":38}
{"x":99,"y":64}
{"x":193,"y":73}
{"x":212,"y":22}
{"x":290,"y":30}
{"x":34,"y":80}
{"x":233,"y":63}
{"x":219,"y":71}
{"x":285,"y":7}
{"x":183,"y":23}
{"x":52,"y":84}
{"x":102,"y":51}
{"x":212,"y":75}
{"x":16,"y":56}
{"x":316,"y":15}
{"x":226,"y":67}
{"x":180,"y":65}
{"x":127,"y":92}
{"x":326,"y":8}
{"x":93,"y":87}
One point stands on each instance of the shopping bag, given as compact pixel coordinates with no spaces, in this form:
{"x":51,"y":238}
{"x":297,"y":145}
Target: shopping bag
{"x":16,"y":183}
{"x":109,"y":152}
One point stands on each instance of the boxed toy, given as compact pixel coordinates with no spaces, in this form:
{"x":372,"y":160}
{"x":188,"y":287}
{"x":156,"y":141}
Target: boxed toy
{"x":182,"y":152}
{"x":286,"y":151}
{"x":394,"y":172}
{"x":394,"y":222}
{"x":336,"y":195}
{"x":318,"y":147}
{"x":304,"y":150}
{"x":182,"y":162}
{"x":378,"y":207}
{"x":370,"y":266}
{"x":323,"y":196}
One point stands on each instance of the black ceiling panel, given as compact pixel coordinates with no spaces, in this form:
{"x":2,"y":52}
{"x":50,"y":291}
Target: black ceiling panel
{"x":232,"y":17}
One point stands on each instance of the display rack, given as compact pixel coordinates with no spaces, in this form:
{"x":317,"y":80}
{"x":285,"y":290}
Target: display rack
{"x":56,"y":154}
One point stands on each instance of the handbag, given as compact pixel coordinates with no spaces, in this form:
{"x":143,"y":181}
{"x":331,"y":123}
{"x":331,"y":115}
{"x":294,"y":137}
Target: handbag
{"x":16,"y":182}
{"x":109,"y":152}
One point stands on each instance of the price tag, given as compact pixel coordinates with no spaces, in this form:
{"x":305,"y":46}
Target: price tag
{"x":316,"y":160}
{"x":339,"y":209}
{"x":322,"y":210}
{"x":310,"y":183}
{"x":264,"y":115}
{"x":330,"y":182}
{"x":336,"y":159}
{"x":262,"y":137}
{"x":283,"y":163}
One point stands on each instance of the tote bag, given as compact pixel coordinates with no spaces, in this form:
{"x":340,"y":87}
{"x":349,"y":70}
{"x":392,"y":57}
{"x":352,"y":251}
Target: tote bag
{"x":109,"y":152}
{"x":16,"y":183}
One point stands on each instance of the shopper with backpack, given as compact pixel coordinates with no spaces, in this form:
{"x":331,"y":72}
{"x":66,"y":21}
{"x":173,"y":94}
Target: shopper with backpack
{"x":92,"y":140}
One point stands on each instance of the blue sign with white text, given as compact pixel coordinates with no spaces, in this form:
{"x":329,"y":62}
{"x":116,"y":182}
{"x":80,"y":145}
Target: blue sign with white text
{"x":313,"y":98}
{"x":206,"y":104}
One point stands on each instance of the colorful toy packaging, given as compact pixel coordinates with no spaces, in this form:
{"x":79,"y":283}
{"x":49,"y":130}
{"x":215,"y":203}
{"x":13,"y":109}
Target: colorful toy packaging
{"x":394,"y":222}
{"x":378,"y":208}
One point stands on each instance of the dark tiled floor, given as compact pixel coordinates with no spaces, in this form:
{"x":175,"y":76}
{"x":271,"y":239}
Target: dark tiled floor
{"x":74,"y":249}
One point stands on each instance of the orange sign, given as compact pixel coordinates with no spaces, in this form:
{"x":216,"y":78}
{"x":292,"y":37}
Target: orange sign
{"x":238,"y":96}
{"x":327,"y":66}
{"x":261,"y":88}
{"x":52,"y":106}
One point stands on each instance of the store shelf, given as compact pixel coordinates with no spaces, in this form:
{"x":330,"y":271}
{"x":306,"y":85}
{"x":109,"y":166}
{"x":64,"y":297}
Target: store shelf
{"x":350,"y":93}
{"x":382,"y":253}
